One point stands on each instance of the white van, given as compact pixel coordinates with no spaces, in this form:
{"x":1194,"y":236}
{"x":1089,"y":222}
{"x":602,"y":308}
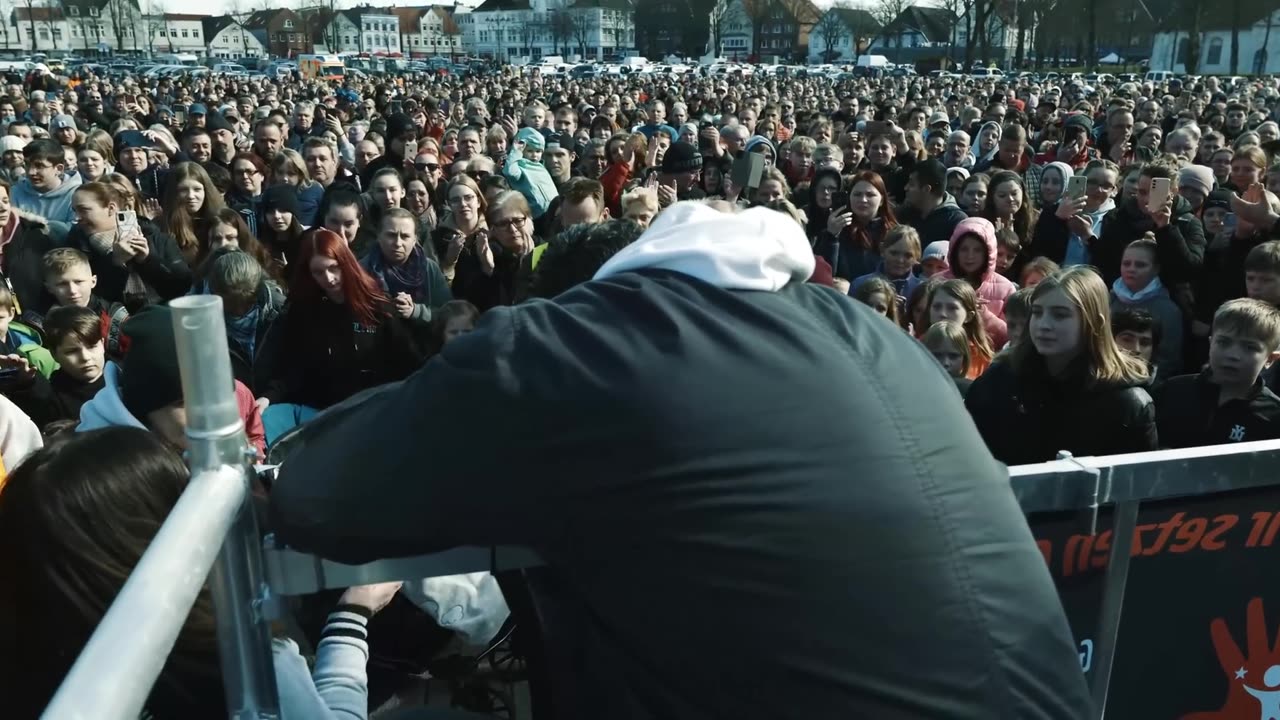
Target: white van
{"x":1159,"y":76}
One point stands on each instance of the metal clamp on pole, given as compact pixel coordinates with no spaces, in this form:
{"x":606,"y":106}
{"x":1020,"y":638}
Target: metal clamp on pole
{"x":217,"y":446}
{"x":1093,"y":490}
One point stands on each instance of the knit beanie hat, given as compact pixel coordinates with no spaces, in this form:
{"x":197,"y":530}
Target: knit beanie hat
{"x":150,"y":377}
{"x":937,"y":250}
{"x":1197,"y":177}
{"x":280,"y":197}
{"x":531,"y":138}
{"x":681,"y":157}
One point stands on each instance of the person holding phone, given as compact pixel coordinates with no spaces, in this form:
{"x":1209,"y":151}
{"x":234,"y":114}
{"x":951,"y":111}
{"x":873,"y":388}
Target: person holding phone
{"x":1158,"y":209}
{"x":1064,"y":233}
{"x":135,"y":262}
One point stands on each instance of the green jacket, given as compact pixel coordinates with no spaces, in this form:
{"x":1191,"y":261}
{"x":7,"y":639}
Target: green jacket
{"x":26,"y":342}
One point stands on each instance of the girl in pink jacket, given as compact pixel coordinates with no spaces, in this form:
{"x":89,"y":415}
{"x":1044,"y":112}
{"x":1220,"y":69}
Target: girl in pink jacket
{"x":972,"y":257}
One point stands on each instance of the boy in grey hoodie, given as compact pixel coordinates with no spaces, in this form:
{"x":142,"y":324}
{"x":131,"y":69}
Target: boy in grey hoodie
{"x":45,"y":191}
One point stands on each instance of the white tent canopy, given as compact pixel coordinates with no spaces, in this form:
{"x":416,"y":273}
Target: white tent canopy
{"x":1111,"y":59}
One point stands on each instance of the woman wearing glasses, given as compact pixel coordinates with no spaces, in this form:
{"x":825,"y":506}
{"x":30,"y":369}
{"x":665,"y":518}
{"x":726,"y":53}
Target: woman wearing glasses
{"x":496,"y":267}
{"x":463,"y":222}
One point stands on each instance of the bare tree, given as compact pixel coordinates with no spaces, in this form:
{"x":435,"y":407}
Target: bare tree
{"x":584,"y":27}
{"x":31,"y":7}
{"x":832,"y":28}
{"x":6,"y":11}
{"x":560,"y":25}
{"x":238,"y":12}
{"x":886,"y":11}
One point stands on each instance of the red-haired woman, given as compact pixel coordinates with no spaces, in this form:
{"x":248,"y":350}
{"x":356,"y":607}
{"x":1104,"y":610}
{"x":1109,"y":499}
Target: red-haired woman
{"x":340,"y":334}
{"x":851,"y":241}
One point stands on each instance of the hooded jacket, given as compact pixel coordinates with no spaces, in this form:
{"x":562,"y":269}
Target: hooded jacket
{"x":1155,"y":299}
{"x":1180,"y":244}
{"x":107,"y":409}
{"x":915,"y":592}
{"x":939,"y":224}
{"x":995,"y":288}
{"x":23,"y":263}
{"x":54,"y":205}
{"x":1051,"y":235}
{"x":255,"y":367}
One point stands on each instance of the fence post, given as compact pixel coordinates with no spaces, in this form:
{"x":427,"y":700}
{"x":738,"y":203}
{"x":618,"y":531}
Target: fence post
{"x":215,"y":442}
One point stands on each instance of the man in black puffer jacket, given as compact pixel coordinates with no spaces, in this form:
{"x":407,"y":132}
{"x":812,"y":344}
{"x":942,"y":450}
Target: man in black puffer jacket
{"x":756,"y":516}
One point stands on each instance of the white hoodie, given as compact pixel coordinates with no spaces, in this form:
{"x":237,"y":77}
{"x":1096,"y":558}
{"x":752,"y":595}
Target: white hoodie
{"x":756,"y":249}
{"x":106,"y":409}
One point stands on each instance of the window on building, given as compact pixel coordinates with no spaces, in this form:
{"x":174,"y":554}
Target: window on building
{"x":75,"y":31}
{"x":44,"y":33}
{"x":1215,"y":52}
{"x":93,"y":12}
{"x":173,"y":33}
{"x":184,"y":32}
{"x":75,"y":11}
{"x":288,"y":24}
{"x":57,"y":34}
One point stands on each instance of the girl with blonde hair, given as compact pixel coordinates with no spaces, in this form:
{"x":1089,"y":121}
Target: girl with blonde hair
{"x":1067,"y":386}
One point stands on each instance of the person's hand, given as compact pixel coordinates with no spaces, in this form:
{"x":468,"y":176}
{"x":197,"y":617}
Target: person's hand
{"x":1223,"y":239}
{"x":731,"y":189}
{"x":404,"y":305}
{"x":998,"y":223}
{"x":483,"y":251}
{"x":651,"y":157}
{"x":1069,"y":207}
{"x":508,"y":124}
{"x":262,"y":404}
{"x":123,"y":251}
{"x":151,"y":208}
{"x":1081,"y":226}
{"x":1068,"y":150}
{"x":1253,"y":208}
{"x":374,"y":597}
{"x":839,"y":221}
{"x":1119,"y":151}
{"x":1162,"y":216}
{"x":334,"y":124}
{"x":666,"y":195}
{"x":456,"y":242}
{"x":22,"y":369}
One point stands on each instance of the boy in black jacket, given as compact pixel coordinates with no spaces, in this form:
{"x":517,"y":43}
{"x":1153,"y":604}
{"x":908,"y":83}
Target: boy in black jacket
{"x":75,"y":338}
{"x":1228,"y":401}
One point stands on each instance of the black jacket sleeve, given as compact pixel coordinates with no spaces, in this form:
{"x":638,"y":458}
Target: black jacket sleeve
{"x":164,"y":268}
{"x":36,"y":399}
{"x":1182,"y":245}
{"x":1050,"y":237}
{"x":1140,"y":432}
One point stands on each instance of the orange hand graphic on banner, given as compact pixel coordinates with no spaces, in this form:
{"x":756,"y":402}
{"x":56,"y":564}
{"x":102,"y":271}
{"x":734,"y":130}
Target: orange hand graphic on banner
{"x":1253,"y":676}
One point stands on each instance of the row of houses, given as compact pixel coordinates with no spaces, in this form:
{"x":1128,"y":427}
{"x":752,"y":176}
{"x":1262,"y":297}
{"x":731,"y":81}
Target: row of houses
{"x":93,"y":27}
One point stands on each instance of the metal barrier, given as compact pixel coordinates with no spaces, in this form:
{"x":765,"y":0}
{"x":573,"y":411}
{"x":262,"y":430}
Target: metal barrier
{"x":114,"y":674}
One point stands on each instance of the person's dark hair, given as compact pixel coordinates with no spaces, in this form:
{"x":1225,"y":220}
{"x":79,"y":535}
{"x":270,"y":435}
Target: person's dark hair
{"x":46,"y":150}
{"x":83,"y":324}
{"x":494,"y":182}
{"x":1159,"y":169}
{"x":340,"y":197}
{"x":574,"y":256}
{"x":933,"y":174}
{"x":75,"y":518}
{"x":1137,"y":320}
{"x":192,"y":132}
{"x":441,"y":317}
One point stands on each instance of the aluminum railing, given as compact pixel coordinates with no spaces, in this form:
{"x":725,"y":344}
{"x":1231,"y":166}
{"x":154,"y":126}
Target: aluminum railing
{"x":211,"y":533}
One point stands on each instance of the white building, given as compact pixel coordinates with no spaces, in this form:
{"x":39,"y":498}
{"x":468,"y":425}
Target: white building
{"x":226,"y":38}
{"x":429,"y":31}
{"x":86,"y":27}
{"x":375,"y":31}
{"x":535,"y":28}
{"x":1002,"y":32}
{"x":1259,"y":52}
{"x":840,"y":35}
{"x":732,"y":32}
{"x":176,"y":33}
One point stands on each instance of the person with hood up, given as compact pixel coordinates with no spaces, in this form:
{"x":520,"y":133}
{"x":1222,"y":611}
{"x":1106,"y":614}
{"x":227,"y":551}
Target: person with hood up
{"x":526,"y":173}
{"x":1067,"y":385}
{"x":1066,"y":234}
{"x":763,"y":146}
{"x":714,"y":296}
{"x":971,"y":256}
{"x":46,"y":191}
{"x":985,"y":146}
{"x":1178,"y":232}
{"x":1139,"y":288}
{"x":144,"y":389}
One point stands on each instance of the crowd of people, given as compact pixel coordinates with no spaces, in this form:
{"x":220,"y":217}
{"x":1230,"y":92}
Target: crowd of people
{"x":1096,"y":268}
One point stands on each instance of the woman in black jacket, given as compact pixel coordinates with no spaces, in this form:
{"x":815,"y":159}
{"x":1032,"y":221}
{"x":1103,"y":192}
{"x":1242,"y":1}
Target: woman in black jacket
{"x":339,"y":334}
{"x":135,"y":266}
{"x":1067,"y":385}
{"x":25,"y":241}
